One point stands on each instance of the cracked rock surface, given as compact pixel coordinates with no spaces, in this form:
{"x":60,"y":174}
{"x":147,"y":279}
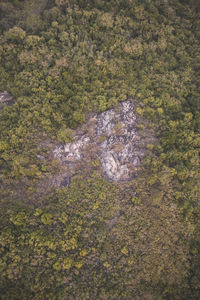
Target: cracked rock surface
{"x":118,"y":145}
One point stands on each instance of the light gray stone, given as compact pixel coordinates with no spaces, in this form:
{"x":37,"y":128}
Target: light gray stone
{"x":6,"y":98}
{"x":72,"y":152}
{"x":120,"y":149}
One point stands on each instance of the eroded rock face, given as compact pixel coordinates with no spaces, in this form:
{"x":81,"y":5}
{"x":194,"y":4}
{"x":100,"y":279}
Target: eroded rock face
{"x":118,"y":146}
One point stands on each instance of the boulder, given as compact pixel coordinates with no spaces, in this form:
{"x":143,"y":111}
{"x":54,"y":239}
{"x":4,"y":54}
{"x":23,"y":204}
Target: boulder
{"x":6,"y":98}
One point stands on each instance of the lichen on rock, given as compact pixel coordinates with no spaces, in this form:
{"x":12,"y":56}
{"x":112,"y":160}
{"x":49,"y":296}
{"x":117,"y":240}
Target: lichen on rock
{"x":119,"y":147}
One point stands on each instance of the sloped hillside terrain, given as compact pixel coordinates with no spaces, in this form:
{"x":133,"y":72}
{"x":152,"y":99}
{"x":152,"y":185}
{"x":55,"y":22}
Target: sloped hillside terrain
{"x":99,"y":149}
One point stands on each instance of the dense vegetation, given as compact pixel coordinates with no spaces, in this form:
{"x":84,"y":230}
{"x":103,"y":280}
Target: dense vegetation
{"x":96,"y":239}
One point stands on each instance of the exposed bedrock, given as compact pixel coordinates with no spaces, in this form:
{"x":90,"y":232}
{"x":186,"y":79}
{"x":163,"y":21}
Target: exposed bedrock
{"x":118,"y":145}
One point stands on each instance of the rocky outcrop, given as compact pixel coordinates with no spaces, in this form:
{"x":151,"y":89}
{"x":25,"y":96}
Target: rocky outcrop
{"x":6,"y":98}
{"x":118,"y":145}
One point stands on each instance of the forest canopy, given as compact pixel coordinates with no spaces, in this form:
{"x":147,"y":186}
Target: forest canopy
{"x":62,"y":60}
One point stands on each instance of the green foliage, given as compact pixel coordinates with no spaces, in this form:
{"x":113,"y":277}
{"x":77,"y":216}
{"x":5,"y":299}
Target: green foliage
{"x":19,"y":219}
{"x":16,"y":34}
{"x":46,"y":219}
{"x":95,"y":240}
{"x":136,"y":200}
{"x":65,"y":135}
{"x":135,"y":245}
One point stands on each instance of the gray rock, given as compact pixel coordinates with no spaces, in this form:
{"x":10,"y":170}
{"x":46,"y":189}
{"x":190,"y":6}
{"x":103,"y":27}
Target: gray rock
{"x":112,"y":166}
{"x":106,"y":122}
{"x":120,"y":149}
{"x":72,"y":152}
{"x":6,"y":98}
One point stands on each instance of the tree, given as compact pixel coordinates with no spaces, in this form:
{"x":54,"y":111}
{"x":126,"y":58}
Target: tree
{"x":15,"y":34}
